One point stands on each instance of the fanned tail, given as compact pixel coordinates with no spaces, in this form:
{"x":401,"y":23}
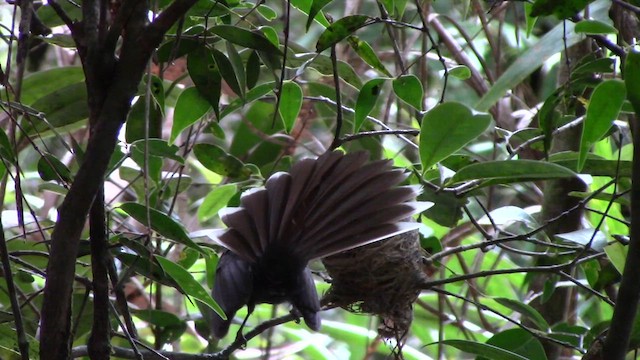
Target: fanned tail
{"x":323,"y":206}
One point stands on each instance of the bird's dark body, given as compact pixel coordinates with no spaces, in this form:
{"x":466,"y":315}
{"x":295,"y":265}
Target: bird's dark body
{"x":322,"y":207}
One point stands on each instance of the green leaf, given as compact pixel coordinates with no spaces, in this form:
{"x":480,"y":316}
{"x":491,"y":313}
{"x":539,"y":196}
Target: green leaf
{"x":518,"y":341}
{"x":245,"y":38}
{"x":290,"y":104}
{"x":64,"y":106}
{"x":512,"y":171}
{"x":339,"y":30}
{"x":135,"y":127}
{"x":366,"y":53}
{"x":253,"y":70}
{"x":189,"y":285}
{"x":316,"y":7}
{"x":50,"y":168}
{"x":267,"y":13}
{"x":461,"y":72}
{"x":238,"y":67}
{"x":252,"y":95}
{"x":526,"y":310}
{"x":409,"y":89}
{"x":561,"y":9}
{"x":160,"y":223}
{"x":190,"y":107}
{"x":486,"y":350}
{"x":305,"y":7}
{"x":220,"y":162}
{"x":560,"y":37}
{"x":632,"y":79}
{"x":594,"y":27}
{"x":214,"y":201}
{"x":604,"y":107}
{"x":227,"y":71}
{"x":149,"y":269}
{"x":367,"y":98}
{"x":446,"y":129}
{"x":45,"y":82}
{"x":205,"y":74}
{"x":159,"y":148}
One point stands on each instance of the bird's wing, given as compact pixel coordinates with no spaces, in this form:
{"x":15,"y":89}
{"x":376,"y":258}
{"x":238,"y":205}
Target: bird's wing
{"x":231,"y":290}
{"x":305,"y":300}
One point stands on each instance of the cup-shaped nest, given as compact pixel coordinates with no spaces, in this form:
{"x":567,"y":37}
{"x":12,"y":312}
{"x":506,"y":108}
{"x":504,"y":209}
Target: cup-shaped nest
{"x":383,"y":278}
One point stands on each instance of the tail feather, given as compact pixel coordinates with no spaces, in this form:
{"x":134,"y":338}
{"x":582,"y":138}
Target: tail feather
{"x":256,"y":204}
{"x":323,"y":206}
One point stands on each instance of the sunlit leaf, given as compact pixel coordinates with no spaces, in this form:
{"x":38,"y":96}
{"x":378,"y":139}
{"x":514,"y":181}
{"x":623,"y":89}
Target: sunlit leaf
{"x":367,"y":98}
{"x":604,"y":107}
{"x":290,"y":104}
{"x":214,"y":201}
{"x":339,"y":30}
{"x":446,"y":129}
{"x":409,"y":89}
{"x":190,"y":107}
{"x":161,"y":223}
{"x":594,"y":27}
{"x":512,"y":171}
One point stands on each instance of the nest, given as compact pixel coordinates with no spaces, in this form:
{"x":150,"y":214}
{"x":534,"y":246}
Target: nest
{"x":383,"y":278}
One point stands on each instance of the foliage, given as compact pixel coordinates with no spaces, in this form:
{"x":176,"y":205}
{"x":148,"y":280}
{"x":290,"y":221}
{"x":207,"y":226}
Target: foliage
{"x":461,"y":94}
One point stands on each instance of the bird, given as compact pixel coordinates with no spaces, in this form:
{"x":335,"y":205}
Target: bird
{"x":322,"y":206}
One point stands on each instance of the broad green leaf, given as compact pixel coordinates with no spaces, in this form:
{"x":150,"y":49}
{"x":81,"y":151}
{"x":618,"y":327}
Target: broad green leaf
{"x":339,"y":30}
{"x":61,"y":40}
{"x":267,"y":13}
{"x":238,"y":67}
{"x":245,"y":38}
{"x":149,"y":269}
{"x":189,"y":285}
{"x":227,"y":71}
{"x":305,"y":7}
{"x":50,"y":168}
{"x":220,"y":162}
{"x":214,"y":201}
{"x":190,"y":107}
{"x":632,"y":79}
{"x":617,"y":254}
{"x":252,"y":95}
{"x":592,"y":238}
{"x":366,"y":53}
{"x":526,"y":310}
{"x":158,"y":147}
{"x":253,"y":70}
{"x":518,"y":341}
{"x":560,"y":37}
{"x":409,"y":89}
{"x":6,"y":150}
{"x":160,"y":223}
{"x":604,"y":107}
{"x":446,"y":129}
{"x":594,"y":165}
{"x":205,"y":74}
{"x":290,"y":104}
{"x":512,"y":171}
{"x":594,"y":27}
{"x":367,"y":98}
{"x":322,"y":64}
{"x":50,"y":18}
{"x":208,"y":8}
{"x":270,"y":34}
{"x":530,"y":20}
{"x":461,"y":72}
{"x":9,"y":343}
{"x":481,"y":349}
{"x":135,"y":127}
{"x":316,"y":7}
{"x":157,"y":317}
{"x":561,"y":9}
{"x":64,"y":106}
